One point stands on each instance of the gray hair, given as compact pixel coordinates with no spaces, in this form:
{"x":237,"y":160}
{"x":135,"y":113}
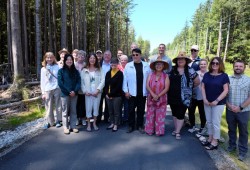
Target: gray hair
{"x":82,"y":53}
{"x":124,"y":56}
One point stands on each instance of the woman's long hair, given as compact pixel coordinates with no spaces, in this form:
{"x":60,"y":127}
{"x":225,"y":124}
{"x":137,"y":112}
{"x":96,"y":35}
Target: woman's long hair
{"x":96,"y":65}
{"x":47,"y":54}
{"x":221,"y":65}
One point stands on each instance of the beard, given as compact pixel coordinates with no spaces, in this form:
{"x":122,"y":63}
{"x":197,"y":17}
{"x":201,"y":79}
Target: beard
{"x":238,"y":72}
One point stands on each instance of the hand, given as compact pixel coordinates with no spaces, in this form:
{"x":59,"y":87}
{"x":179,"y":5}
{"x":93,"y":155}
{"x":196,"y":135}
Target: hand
{"x":108,"y":97}
{"x":44,"y":96}
{"x":206,"y":102}
{"x":235,"y":109}
{"x":127,"y":95}
{"x":214,"y":103}
{"x":72,"y":94}
{"x":87,"y":94}
{"x":156,"y":98}
{"x":96,"y":93}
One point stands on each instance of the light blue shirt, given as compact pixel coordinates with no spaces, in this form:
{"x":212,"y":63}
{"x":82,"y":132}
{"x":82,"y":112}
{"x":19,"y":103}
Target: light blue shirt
{"x":105,"y":67}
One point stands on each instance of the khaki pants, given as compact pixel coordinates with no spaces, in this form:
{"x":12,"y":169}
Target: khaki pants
{"x":53,"y":96}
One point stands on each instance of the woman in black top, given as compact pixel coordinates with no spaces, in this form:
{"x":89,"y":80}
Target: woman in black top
{"x":114,"y":93}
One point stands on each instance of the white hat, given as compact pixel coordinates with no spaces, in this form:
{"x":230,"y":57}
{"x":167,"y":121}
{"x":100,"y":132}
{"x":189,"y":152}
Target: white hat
{"x":195,"y":47}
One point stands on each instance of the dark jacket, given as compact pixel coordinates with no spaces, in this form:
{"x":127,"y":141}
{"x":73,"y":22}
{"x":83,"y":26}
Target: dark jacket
{"x":68,"y":81}
{"x":115,"y":84}
{"x":196,"y":64}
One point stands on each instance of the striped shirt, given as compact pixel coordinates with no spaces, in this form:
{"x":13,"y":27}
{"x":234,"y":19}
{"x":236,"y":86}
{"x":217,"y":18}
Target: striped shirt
{"x":239,"y":90}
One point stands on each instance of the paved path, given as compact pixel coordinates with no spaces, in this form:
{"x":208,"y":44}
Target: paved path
{"x":106,"y":150}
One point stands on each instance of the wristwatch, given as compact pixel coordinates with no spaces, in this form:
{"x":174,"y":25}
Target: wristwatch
{"x":241,"y":108}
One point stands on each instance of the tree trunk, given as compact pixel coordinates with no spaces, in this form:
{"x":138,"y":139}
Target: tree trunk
{"x":97,"y":26}
{"x":54,"y":26}
{"x":84,"y":25}
{"x":26,"y":57}
{"x":38,"y":40}
{"x":16,"y":41}
{"x":228,"y":32}
{"x":10,"y":56}
{"x":74,"y":25}
{"x":219,"y":38}
{"x":206,"y":39}
{"x":107,"y":26}
{"x":45,"y":32}
{"x":50,"y":28}
{"x":63,"y":23}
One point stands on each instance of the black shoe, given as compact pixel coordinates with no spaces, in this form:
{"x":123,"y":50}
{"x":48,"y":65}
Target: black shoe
{"x":141,"y":130}
{"x":211,"y":147}
{"x":130,"y":129}
{"x":206,"y":143}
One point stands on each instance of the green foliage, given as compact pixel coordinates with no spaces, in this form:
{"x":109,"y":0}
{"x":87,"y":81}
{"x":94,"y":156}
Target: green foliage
{"x":144,"y":45}
{"x":205,"y":27}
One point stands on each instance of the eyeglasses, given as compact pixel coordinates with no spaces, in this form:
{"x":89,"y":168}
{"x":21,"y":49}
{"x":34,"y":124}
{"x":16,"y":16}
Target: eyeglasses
{"x":135,"y":54}
{"x":194,"y":50}
{"x":215,"y":63}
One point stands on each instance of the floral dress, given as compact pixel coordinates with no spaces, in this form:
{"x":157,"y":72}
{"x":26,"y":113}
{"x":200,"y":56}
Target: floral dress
{"x":156,"y":110}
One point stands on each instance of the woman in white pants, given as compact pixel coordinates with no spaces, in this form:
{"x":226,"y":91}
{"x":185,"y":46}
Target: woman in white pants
{"x":92,"y":83}
{"x":214,"y":90}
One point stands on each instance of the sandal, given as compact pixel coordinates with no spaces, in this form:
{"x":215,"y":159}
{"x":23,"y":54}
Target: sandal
{"x":173,"y":133}
{"x":211,"y":147}
{"x":205,"y":143}
{"x":177,"y":136}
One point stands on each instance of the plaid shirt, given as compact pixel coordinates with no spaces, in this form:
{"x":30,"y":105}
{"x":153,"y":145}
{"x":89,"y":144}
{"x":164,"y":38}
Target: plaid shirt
{"x":239,"y":90}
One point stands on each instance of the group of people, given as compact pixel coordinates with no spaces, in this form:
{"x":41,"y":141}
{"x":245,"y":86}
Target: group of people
{"x":79,"y":84}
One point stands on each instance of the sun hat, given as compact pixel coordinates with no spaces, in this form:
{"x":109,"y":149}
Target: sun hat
{"x":195,"y":47}
{"x":166,"y":65}
{"x":63,"y":50}
{"x":182,"y":54}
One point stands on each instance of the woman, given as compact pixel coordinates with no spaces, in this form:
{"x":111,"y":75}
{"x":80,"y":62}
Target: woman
{"x":92,"y":84}
{"x":157,"y":86}
{"x":214,"y":90}
{"x":121,"y":67}
{"x":123,"y":62}
{"x":80,"y":107}
{"x":114,"y":93}
{"x":182,"y":80}
{"x":70,"y":84}
{"x":197,"y":100}
{"x":50,"y":90}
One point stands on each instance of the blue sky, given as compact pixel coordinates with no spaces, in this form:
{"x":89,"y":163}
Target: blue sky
{"x":160,"y":20}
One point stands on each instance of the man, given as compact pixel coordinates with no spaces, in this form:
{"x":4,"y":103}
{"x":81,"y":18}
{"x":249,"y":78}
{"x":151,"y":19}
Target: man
{"x":133,"y":46}
{"x":99,"y":56}
{"x":195,"y":58}
{"x":195,"y":64}
{"x":161,"y":55}
{"x":62,"y":53}
{"x":119,"y":54}
{"x":105,"y":64}
{"x":238,"y":109}
{"x":134,"y":87}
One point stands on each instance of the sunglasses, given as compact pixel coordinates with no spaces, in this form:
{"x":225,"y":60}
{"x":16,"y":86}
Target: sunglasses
{"x":135,"y":54}
{"x":215,"y":63}
{"x":194,"y":50}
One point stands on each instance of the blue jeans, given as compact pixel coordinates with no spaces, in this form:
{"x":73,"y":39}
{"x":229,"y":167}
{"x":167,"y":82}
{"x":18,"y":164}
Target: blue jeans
{"x":239,"y":120}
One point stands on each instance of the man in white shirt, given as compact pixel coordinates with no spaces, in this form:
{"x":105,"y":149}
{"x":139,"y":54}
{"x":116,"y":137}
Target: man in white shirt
{"x":134,"y":87}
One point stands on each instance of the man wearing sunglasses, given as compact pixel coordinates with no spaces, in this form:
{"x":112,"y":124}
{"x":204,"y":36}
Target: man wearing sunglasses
{"x":161,"y":55}
{"x":134,"y":87}
{"x":195,"y":58}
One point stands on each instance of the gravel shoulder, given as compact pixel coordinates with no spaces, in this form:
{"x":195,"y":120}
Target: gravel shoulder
{"x":11,"y":139}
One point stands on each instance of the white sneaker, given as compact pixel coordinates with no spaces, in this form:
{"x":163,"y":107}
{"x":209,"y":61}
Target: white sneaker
{"x":77,"y":122}
{"x":192,"y":130}
{"x":84,"y":123}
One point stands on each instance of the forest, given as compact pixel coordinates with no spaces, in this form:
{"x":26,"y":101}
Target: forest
{"x":220,"y":28}
{"x":29,"y":28}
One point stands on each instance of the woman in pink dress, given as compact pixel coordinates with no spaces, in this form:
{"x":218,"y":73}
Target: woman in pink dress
{"x":157,"y":86}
